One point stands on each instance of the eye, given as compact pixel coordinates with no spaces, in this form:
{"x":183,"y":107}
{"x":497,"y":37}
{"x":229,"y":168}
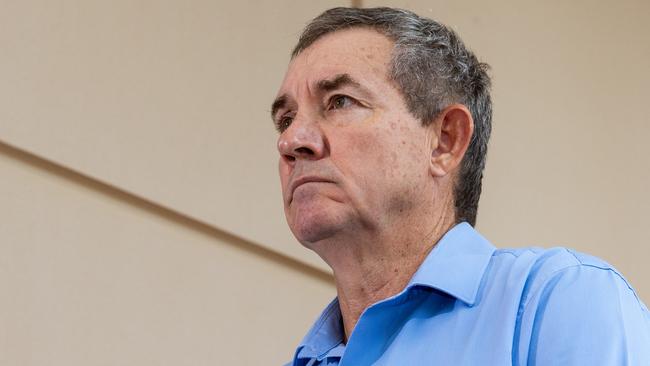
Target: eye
{"x":340,"y":101}
{"x":283,"y":123}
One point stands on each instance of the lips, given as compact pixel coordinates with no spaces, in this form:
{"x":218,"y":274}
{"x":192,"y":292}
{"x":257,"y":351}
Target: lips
{"x":302,"y":180}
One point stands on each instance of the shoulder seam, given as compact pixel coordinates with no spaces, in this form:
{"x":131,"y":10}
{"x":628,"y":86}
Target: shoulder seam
{"x":607,"y":268}
{"x":551,"y":275}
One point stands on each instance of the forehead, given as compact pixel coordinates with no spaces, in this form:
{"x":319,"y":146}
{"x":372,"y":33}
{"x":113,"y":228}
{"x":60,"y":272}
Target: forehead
{"x":360,"y":52}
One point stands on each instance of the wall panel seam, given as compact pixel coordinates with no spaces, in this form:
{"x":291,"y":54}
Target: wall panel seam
{"x":170,"y":215}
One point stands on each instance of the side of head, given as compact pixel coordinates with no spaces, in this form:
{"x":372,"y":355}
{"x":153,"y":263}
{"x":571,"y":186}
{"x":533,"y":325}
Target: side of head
{"x":433,"y":69}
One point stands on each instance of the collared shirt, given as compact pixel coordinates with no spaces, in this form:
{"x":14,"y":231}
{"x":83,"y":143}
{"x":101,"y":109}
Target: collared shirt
{"x":472,"y":304}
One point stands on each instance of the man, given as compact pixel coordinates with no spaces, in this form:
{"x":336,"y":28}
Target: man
{"x":384,"y":119}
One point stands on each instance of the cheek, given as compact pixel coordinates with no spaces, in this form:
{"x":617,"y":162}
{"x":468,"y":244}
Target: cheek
{"x":391,"y":148}
{"x":369,"y":158}
{"x":389,"y":157}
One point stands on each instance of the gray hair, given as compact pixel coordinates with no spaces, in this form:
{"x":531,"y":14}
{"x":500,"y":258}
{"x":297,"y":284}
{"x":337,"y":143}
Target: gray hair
{"x":433,"y":69}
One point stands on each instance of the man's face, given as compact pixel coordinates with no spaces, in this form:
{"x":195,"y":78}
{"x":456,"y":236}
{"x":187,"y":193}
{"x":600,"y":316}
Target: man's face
{"x":352,"y":158}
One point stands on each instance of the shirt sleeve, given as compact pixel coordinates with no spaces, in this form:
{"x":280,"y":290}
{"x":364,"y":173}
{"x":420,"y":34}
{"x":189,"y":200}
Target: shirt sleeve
{"x":584,"y":315}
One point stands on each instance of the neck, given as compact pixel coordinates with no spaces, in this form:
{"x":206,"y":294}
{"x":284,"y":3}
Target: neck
{"x":370,"y":269}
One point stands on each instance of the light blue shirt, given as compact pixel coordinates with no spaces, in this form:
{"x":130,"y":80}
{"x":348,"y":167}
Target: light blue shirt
{"x":472,"y":304}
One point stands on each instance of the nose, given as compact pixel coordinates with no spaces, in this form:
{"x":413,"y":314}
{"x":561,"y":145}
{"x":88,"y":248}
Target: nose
{"x":303,"y":139}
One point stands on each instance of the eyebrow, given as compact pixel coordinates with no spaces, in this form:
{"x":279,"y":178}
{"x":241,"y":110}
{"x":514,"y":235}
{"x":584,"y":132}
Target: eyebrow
{"x":322,"y":86}
{"x":336,"y":82}
{"x":279,"y":103}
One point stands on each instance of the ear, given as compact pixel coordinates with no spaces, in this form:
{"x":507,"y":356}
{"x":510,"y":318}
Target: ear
{"x":452,"y":130}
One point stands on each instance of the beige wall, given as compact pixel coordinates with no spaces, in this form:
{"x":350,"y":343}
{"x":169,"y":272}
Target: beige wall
{"x":166,"y":99}
{"x":131,"y":134}
{"x":142,"y":221}
{"x":93,"y":276}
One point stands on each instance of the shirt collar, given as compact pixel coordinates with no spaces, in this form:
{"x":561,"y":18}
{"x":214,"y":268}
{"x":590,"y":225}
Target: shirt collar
{"x":324,"y":335}
{"x":455,"y":266}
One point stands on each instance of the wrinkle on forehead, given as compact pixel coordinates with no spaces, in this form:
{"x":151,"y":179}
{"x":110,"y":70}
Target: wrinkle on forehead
{"x":354,"y":51}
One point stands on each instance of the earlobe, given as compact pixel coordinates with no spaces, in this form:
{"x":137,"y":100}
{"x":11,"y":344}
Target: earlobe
{"x":451,"y":134}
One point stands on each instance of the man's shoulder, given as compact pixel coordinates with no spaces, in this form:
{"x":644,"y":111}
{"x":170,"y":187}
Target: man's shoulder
{"x":547,"y":262}
{"x":538,"y":268}
{"x":568,"y":302}
{"x":517,"y":275}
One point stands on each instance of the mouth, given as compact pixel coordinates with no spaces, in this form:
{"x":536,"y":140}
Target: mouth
{"x":304,"y":180}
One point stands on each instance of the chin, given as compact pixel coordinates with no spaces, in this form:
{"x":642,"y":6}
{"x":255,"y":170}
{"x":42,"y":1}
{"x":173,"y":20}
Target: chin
{"x":310,"y":226}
